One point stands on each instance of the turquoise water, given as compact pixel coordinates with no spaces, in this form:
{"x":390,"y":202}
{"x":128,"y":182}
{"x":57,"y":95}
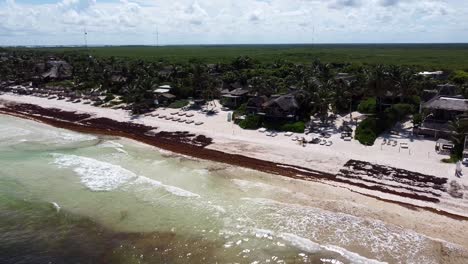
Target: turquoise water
{"x":67,"y":197}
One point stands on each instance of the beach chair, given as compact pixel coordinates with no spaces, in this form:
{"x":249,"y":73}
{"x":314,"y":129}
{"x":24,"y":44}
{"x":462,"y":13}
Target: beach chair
{"x":182,"y":120}
{"x":315,"y":141}
{"x":404,"y":145}
{"x":295,"y":138}
{"x":274,"y":134}
{"x":189,"y":115}
{"x":199,"y":123}
{"x":395,"y":143}
{"x":262,"y":130}
{"x":389,"y":142}
{"x":329,"y":143}
{"x":323,"y":142}
{"x":288,"y":134}
{"x":168,"y":117}
{"x":189,"y":121}
{"x":182,"y":114}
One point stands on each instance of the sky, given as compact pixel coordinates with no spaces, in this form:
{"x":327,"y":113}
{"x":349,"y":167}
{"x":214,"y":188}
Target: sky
{"x":135,"y":22}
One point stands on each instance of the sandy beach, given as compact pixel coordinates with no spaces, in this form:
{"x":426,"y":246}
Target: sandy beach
{"x":419,"y":159}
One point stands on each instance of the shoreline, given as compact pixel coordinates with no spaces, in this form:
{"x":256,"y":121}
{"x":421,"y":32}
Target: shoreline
{"x":193,"y":145}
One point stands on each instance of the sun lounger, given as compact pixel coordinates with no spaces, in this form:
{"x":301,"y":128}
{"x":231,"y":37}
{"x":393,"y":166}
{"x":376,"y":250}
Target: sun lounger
{"x":329,"y":143}
{"x":162,"y":116}
{"x":189,"y":115}
{"x":174,"y":113}
{"x":323,"y":142}
{"x":175,"y":119}
{"x":404,"y":145}
{"x":347,"y":138}
{"x":189,"y":121}
{"x":315,"y":141}
{"x":288,"y":134}
{"x":327,"y":136}
{"x":269,"y":133}
{"x":168,"y":117}
{"x":182,"y":114}
{"x":274,"y":134}
{"x":262,"y":130}
{"x":296,"y":138}
{"x":199,"y":123}
{"x":182,"y":120}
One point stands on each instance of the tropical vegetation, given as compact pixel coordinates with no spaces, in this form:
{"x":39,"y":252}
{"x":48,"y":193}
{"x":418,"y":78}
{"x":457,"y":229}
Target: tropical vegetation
{"x":386,"y":92}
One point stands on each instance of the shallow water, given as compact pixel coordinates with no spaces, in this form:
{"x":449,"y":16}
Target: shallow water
{"x":67,"y":197}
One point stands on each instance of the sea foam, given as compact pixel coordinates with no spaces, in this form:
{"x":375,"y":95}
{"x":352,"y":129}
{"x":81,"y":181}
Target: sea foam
{"x":245,"y":185}
{"x":312,"y":247}
{"x":73,"y":137}
{"x":12,"y":132}
{"x":115,"y":145}
{"x":383,"y":240}
{"x":96,"y":175}
{"x":141,"y":180}
{"x":300,"y":242}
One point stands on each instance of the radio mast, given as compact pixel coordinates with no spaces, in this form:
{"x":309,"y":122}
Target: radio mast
{"x":85,"y":37}
{"x":157,"y":36}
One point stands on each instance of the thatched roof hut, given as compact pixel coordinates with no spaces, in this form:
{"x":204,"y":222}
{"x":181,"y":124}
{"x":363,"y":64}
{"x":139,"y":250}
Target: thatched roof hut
{"x":58,"y":69}
{"x":447,"y":104}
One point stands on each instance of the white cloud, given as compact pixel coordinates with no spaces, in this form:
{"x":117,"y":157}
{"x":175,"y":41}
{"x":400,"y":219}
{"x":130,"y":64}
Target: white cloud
{"x":233,"y":21}
{"x":77,"y":5}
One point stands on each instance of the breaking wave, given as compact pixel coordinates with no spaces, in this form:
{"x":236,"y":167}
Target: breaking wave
{"x":94,"y":174}
{"x":102,"y":176}
{"x":12,"y":132}
{"x":145,"y":181}
{"x":312,"y":247}
{"x":383,"y":240}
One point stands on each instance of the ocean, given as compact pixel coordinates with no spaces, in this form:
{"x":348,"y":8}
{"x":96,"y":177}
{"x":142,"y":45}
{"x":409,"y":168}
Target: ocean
{"x":67,"y":197}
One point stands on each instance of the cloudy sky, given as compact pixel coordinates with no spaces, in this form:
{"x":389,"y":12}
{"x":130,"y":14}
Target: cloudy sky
{"x":117,"y":22}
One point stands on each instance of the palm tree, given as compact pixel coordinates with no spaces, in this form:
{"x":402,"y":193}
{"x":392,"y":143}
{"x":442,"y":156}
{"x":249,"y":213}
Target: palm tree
{"x":344,"y":94}
{"x":377,"y":77}
{"x":139,"y":93}
{"x":459,"y":127}
{"x":322,"y":98}
{"x":403,"y":80}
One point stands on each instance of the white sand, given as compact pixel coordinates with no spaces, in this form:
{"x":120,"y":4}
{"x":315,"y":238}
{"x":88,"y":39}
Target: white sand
{"x":420,"y":157}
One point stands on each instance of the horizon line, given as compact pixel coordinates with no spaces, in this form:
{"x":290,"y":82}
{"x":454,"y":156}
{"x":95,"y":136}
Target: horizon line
{"x":231,"y":44}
